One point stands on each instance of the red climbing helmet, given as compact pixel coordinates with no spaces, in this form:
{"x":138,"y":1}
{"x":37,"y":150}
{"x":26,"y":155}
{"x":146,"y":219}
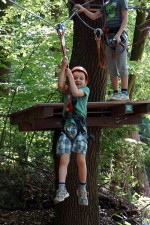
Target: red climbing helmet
{"x":80,"y":68}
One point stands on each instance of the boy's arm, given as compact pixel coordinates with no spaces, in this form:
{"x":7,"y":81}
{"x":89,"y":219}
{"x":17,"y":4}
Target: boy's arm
{"x":61,"y":83}
{"x":91,"y":15}
{"x":123,"y":25}
{"x":73,"y":88}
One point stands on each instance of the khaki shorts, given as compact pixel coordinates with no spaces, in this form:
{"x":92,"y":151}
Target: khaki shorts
{"x":117,"y":59}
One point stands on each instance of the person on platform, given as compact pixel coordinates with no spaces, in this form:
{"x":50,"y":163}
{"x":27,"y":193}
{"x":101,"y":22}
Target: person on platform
{"x":116,"y":18}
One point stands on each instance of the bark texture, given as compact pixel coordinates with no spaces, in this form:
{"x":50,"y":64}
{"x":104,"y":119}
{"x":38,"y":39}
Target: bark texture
{"x":139,"y":38}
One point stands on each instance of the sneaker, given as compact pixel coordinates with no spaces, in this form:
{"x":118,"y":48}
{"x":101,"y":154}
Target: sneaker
{"x":119,"y":97}
{"x":61,"y":195}
{"x":82,"y":197}
{"x":114,"y":97}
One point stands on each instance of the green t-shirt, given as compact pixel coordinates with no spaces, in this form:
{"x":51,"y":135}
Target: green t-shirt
{"x":80,"y":104}
{"x":113,"y":15}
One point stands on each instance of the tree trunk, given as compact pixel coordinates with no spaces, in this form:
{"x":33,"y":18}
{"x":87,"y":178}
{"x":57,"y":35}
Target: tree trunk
{"x":85,"y":54}
{"x":132,"y":79}
{"x":139,"y":38}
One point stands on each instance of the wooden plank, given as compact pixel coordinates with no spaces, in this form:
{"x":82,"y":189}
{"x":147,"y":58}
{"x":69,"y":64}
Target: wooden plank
{"x":26,"y":116}
{"x":39,"y":105}
{"x":111,"y":121}
{"x":142,"y":109}
{"x":98,"y":105}
{"x":138,"y":109}
{"x":103,"y":122}
{"x":121,"y":109}
{"x":25,"y":126}
{"x":96,"y":111}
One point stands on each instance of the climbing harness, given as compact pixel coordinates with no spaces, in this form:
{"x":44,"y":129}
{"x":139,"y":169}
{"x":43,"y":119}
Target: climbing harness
{"x":80,"y":123}
{"x":111,"y":42}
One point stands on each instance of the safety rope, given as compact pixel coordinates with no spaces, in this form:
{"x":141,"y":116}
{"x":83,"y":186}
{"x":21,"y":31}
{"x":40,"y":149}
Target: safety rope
{"x":139,"y":8}
{"x":39,"y":17}
{"x":140,"y":40}
{"x":60,"y":28}
{"x":100,"y":46}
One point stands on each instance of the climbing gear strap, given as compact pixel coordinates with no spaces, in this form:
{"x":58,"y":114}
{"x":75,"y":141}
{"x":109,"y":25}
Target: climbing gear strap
{"x":111,"y":42}
{"x":60,"y":28}
{"x":69,"y":105}
{"x":100,"y":46}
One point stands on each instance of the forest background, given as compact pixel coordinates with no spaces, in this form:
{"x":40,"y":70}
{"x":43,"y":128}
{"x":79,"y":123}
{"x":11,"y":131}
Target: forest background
{"x":29,"y":65}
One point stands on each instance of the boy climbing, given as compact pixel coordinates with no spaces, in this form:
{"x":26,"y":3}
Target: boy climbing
{"x":73,"y":137}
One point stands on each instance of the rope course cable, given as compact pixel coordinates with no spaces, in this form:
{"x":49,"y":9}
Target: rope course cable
{"x":20,"y":6}
{"x":139,"y":8}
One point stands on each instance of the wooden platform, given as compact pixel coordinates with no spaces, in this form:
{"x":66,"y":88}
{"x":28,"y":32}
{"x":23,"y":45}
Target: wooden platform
{"x":47,"y":116}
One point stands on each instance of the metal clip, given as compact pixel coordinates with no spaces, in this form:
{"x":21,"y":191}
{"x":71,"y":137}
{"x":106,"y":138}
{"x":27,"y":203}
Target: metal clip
{"x":60,"y":28}
{"x":98,"y":33}
{"x":74,"y":10}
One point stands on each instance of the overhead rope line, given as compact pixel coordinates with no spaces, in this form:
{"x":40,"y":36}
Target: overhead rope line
{"x":139,"y":8}
{"x":20,"y":6}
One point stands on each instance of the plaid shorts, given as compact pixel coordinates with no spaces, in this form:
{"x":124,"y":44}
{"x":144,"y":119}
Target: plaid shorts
{"x":78,"y":145}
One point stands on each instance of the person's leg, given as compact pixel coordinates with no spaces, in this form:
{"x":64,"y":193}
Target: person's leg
{"x":112,"y":70}
{"x":124,"y":82}
{"x":82,"y":171}
{"x":63,"y":165}
{"x":64,"y":150}
{"x":61,"y":192}
{"x":123,"y":67}
{"x":114,"y":81}
{"x":80,"y":148}
{"x":124,"y":86}
{"x":123,"y":71}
